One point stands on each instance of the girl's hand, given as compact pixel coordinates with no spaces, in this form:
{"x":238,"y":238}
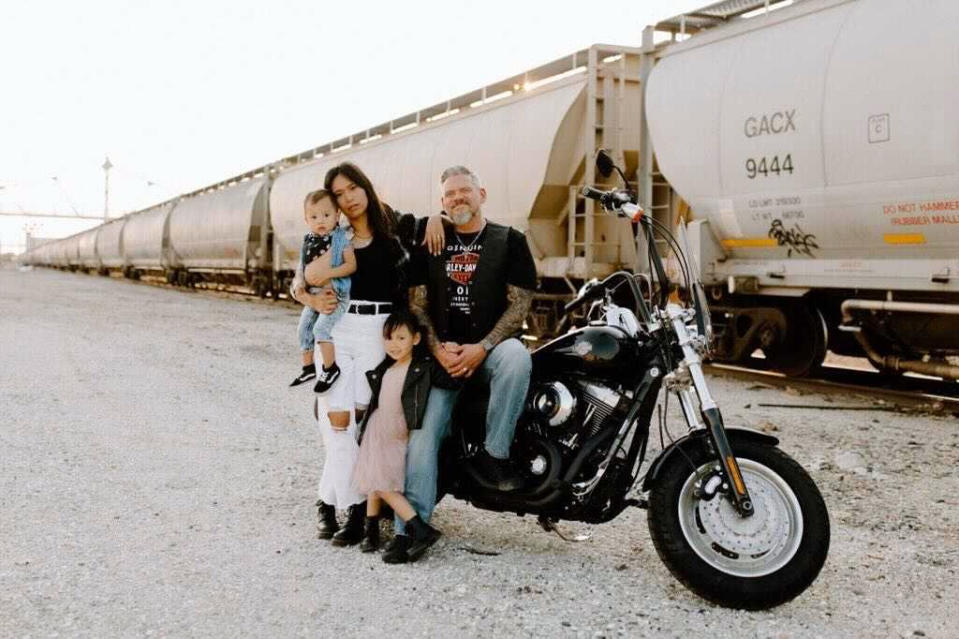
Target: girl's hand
{"x":316,"y":272}
{"x":435,"y":236}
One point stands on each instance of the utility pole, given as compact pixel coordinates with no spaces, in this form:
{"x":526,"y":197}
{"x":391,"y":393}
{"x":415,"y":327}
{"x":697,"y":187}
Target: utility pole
{"x":106,"y":188}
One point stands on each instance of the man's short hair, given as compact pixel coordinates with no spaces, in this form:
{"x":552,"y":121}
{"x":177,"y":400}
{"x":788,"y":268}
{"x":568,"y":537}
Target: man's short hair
{"x":459,"y":169}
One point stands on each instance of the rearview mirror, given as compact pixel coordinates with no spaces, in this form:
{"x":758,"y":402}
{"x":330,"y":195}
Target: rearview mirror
{"x":604,"y":163}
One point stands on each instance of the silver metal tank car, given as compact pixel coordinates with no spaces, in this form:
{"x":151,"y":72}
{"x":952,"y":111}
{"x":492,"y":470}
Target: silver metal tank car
{"x":820,"y":148}
{"x":221,"y":235}
{"x":144,"y":239}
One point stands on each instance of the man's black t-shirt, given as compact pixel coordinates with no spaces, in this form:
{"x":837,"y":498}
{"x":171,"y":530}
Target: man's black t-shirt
{"x":461,"y":256}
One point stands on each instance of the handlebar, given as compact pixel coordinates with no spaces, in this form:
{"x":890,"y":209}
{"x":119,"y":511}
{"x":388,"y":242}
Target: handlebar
{"x":619,"y":201}
{"x":599,"y":290}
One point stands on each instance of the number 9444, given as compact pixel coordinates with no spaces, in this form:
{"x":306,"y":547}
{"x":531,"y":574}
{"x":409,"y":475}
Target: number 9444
{"x":768,"y":166}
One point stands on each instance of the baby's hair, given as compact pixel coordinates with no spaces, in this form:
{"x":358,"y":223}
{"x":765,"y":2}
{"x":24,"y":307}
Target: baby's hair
{"x":315,"y":197}
{"x":401,"y":318}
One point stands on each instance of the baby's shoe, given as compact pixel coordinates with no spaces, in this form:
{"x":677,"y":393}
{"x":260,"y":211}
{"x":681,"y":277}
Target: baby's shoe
{"x":308,"y":373}
{"x":326,"y":378}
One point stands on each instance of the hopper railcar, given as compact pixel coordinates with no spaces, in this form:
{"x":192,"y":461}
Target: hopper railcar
{"x":822,"y":186}
{"x":826,"y":184}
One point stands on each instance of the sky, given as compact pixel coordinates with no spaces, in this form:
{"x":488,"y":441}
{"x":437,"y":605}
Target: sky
{"x":182,"y":94}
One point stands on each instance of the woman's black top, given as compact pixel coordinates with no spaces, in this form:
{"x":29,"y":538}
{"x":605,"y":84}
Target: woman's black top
{"x":382,"y":267}
{"x":374,"y":279}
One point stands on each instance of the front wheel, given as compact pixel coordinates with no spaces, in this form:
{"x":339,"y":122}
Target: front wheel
{"x":752,"y":562}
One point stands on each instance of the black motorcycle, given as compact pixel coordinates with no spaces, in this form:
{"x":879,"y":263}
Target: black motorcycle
{"x":734,"y":518}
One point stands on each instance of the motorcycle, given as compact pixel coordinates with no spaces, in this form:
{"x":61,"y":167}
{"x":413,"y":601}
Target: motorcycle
{"x":734,"y":518}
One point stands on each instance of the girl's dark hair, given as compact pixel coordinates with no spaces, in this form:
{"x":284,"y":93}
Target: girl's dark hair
{"x":401,"y":318}
{"x":380,"y":216}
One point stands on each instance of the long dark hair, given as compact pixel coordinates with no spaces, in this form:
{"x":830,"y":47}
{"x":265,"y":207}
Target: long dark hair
{"x":380,"y":216}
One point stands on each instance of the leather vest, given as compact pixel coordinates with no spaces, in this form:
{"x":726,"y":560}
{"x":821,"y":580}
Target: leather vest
{"x":488,"y":292}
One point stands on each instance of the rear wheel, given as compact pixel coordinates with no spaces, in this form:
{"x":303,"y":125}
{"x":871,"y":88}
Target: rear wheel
{"x":752,"y":562}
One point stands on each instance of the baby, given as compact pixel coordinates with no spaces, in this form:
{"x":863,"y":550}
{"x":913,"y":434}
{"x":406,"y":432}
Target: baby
{"x":322,"y":217}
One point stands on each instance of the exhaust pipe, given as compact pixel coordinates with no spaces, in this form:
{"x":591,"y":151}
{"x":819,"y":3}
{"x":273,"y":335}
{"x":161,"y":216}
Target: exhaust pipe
{"x":892,"y":362}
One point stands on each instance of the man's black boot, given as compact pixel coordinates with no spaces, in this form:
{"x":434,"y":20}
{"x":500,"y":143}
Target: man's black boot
{"x":352,"y":532}
{"x":396,"y":550}
{"x":422,"y":536}
{"x":498,"y":473}
{"x":371,"y":535}
{"x":326,"y":525}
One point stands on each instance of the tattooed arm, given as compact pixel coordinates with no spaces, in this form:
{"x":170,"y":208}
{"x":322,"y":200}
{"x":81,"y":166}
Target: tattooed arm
{"x":419,"y":305}
{"x":511,"y":321}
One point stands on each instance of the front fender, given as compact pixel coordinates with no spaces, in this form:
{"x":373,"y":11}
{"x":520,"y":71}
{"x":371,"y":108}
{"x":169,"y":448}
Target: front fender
{"x":698,"y":439}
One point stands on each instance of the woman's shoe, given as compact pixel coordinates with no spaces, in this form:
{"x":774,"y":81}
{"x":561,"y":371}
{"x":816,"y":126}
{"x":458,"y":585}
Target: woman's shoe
{"x":352,"y":532}
{"x":326,"y":525}
{"x":422,"y":536}
{"x":371,"y":535}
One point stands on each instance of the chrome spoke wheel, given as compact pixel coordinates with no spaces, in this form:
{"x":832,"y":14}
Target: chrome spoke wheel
{"x":743,"y":546}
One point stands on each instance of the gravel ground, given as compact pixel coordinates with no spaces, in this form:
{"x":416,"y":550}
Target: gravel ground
{"x":158,"y":478}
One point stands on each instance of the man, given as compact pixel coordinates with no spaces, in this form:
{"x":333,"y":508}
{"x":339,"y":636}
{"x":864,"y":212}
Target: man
{"x":472,"y":300}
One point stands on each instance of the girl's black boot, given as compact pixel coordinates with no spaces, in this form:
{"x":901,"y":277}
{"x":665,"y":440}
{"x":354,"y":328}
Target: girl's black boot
{"x":326,"y":525}
{"x":422,"y":536}
{"x":371,"y":535}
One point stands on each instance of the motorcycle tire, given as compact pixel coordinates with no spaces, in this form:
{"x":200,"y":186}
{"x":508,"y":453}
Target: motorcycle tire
{"x":751,"y":563}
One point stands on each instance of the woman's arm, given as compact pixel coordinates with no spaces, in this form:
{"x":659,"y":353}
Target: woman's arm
{"x":324,"y":302}
{"x":315,"y":271}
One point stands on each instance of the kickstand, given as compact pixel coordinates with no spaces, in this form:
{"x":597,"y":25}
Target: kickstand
{"x":549,"y":525}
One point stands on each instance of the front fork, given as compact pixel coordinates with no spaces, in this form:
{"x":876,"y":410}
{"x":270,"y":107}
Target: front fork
{"x":731,"y":474}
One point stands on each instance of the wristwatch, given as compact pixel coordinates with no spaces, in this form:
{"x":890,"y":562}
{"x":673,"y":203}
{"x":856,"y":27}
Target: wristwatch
{"x":487,"y":345}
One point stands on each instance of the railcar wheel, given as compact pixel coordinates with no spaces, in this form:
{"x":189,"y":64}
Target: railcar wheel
{"x":802,"y":349}
{"x":755,"y":562}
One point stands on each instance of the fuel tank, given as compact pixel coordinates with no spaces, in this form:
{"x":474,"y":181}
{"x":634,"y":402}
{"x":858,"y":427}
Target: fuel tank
{"x":601,"y":352}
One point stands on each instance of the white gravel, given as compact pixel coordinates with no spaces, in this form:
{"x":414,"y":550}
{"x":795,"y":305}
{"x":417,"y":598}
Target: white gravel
{"x":158,"y":478}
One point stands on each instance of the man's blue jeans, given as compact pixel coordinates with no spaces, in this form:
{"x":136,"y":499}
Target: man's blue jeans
{"x":507,"y":370}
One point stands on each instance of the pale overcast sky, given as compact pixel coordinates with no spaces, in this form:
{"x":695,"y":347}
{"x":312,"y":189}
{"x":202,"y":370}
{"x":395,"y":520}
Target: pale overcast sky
{"x":183,"y":94}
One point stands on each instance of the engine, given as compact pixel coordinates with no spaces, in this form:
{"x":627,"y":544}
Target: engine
{"x":571,"y":413}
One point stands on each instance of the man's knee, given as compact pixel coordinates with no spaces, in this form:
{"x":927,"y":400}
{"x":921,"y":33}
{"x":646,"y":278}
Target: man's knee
{"x":513,"y":359}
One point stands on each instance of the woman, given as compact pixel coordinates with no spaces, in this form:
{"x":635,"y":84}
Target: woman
{"x":382,"y":240}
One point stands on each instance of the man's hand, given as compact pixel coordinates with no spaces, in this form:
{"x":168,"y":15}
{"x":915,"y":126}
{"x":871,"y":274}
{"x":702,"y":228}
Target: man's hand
{"x":448,"y":355}
{"x":435,"y":236}
{"x":462,"y":360}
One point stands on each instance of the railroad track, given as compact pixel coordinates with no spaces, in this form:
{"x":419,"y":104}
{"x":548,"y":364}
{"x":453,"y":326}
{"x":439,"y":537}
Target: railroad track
{"x":906,"y":393}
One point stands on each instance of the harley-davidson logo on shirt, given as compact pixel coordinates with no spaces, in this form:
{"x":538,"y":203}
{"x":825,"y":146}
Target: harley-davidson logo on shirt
{"x":460,"y":268}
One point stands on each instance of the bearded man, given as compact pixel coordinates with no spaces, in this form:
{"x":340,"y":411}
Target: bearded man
{"x":472,"y":299}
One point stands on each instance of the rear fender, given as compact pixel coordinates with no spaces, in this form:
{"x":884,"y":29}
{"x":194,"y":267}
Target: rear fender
{"x":697,"y":440}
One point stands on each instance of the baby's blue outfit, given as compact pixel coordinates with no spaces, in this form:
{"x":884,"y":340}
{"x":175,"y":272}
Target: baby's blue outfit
{"x":318,"y":327}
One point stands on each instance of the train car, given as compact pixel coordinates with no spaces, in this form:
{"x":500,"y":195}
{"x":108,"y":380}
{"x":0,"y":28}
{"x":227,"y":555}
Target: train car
{"x":145,"y":241}
{"x":821,"y":158}
{"x":87,"y":257}
{"x":222,"y":235}
{"x":69,"y":255}
{"x":527,"y":137}
{"x":110,"y":246}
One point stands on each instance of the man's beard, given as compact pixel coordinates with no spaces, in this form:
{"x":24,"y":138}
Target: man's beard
{"x":461,"y":218}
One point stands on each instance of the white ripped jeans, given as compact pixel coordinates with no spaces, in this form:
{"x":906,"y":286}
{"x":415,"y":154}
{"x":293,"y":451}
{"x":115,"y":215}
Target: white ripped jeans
{"x":358,"y":340}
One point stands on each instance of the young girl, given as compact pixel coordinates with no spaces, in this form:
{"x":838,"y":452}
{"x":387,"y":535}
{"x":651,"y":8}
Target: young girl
{"x":401,"y":386}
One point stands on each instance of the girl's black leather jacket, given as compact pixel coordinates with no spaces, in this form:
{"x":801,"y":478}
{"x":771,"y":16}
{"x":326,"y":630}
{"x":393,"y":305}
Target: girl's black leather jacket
{"x":420,"y":376}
